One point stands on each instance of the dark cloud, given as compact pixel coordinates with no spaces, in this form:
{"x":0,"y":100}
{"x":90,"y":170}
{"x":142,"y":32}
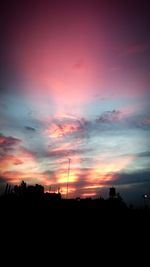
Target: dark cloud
{"x":31,"y":129}
{"x":109,"y":117}
{"x":142,"y":177}
{"x":115,"y":119}
{"x":143,"y":154}
{"x":133,"y":185}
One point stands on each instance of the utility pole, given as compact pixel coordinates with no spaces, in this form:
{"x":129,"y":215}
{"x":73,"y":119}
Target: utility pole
{"x":68,"y":176}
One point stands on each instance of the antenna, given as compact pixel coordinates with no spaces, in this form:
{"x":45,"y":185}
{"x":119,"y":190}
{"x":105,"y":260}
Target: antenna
{"x":68,"y":176}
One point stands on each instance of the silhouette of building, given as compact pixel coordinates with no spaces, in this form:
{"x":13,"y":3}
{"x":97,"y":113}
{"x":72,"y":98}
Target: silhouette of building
{"x":23,"y":189}
{"x":53,"y":196}
{"x":112,"y":193}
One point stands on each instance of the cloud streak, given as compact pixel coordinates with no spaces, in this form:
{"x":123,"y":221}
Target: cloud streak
{"x":29,"y":128}
{"x":8,"y":143}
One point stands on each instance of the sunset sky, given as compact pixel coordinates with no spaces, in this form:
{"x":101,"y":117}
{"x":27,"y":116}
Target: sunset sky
{"x":75,"y":83}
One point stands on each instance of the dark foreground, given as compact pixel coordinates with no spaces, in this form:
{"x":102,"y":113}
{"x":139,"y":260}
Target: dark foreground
{"x":54,"y":211}
{"x":79,"y":227}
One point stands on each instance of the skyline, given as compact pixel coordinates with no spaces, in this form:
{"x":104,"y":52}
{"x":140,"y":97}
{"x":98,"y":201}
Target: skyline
{"x":75,"y":84}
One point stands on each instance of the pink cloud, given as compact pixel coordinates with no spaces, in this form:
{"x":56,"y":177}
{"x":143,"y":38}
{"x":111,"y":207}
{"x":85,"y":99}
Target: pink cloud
{"x":22,"y":159}
{"x":7,"y":161}
{"x":8,"y":143}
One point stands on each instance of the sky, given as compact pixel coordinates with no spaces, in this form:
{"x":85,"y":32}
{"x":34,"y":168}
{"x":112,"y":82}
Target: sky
{"x":75,"y":84}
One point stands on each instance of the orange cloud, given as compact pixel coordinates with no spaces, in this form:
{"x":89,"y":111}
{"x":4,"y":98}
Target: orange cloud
{"x":105,"y":170}
{"x":62,"y":176}
{"x":8,"y":161}
{"x":71,"y":191}
{"x":82,"y":182}
{"x":29,"y":177}
{"x":88,"y":195}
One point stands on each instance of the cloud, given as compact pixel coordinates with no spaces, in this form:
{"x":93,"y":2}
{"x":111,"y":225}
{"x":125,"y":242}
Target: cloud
{"x":144,"y":123}
{"x":59,"y":130}
{"x":140,"y":121}
{"x":8,"y":143}
{"x":9,"y":157}
{"x":16,"y":157}
{"x":27,"y":154}
{"x":30,"y":177}
{"x":123,"y":119}
{"x":31,"y":129}
{"x":139,"y":177}
{"x":56,"y":153}
{"x":8,"y":160}
{"x":143,"y":154}
{"x":62,"y":126}
{"x":109,"y":116}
